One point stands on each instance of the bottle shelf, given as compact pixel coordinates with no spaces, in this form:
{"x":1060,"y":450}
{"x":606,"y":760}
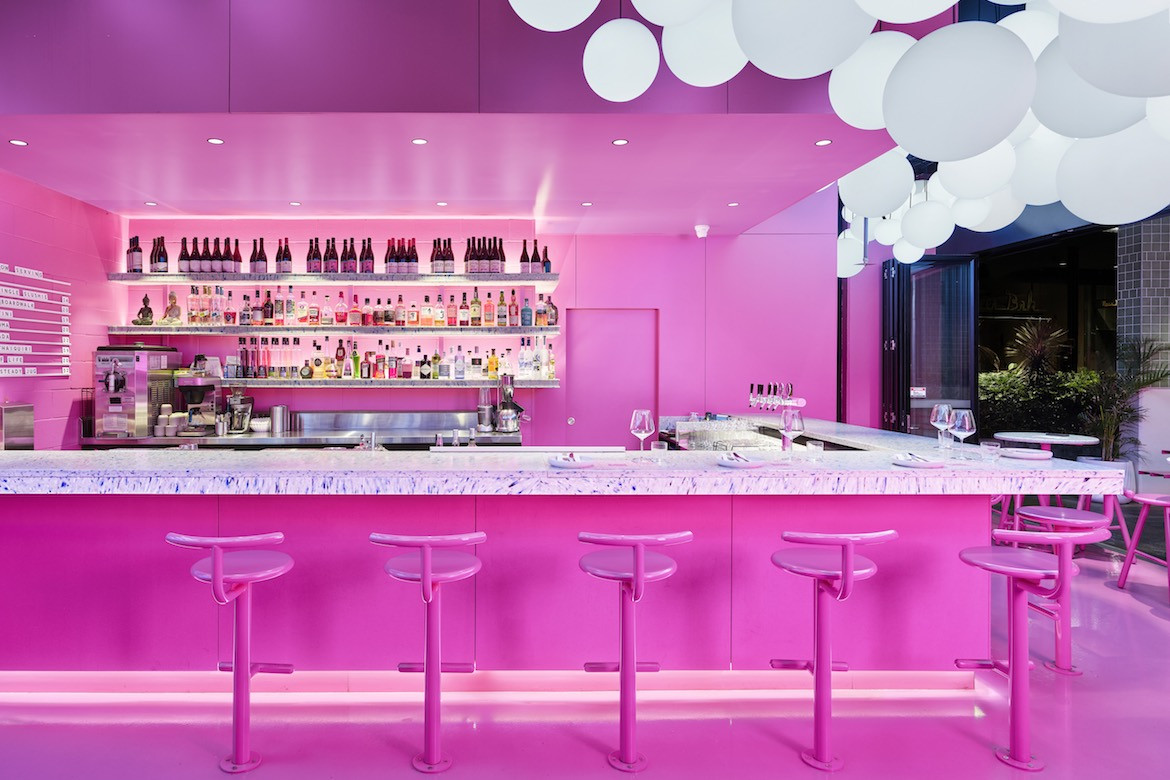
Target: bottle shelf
{"x":328,"y":330}
{"x":372,"y":384}
{"x":542,"y":282}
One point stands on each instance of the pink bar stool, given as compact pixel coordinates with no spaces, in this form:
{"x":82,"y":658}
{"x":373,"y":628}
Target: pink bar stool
{"x":631,"y":568}
{"x":1147,"y":500}
{"x":431,"y":563}
{"x":1059,"y":607}
{"x":833,"y":573}
{"x":231,"y":575}
{"x":1025,"y":570}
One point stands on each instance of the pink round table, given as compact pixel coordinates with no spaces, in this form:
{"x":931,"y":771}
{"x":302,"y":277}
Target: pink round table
{"x":1046,"y":440}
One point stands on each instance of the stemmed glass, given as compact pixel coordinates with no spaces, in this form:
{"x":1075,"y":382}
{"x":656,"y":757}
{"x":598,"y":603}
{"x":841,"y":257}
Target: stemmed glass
{"x":962,"y":423}
{"x":791,"y":426}
{"x":642,"y":426}
{"x":940,"y":418}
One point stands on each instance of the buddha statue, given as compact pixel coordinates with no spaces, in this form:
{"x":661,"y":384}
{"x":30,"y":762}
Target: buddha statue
{"x":145,"y":314}
{"x":173,"y":315}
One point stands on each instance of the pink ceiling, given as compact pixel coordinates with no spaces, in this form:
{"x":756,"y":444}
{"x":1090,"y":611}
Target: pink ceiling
{"x":677,"y":171}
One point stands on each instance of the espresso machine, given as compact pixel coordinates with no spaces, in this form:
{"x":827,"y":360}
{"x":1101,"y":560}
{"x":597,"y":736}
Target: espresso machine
{"x":131,"y":383}
{"x":199,"y":387}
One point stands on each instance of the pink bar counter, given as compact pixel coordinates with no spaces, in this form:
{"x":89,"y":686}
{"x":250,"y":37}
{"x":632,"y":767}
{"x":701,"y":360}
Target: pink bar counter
{"x":96,"y":589}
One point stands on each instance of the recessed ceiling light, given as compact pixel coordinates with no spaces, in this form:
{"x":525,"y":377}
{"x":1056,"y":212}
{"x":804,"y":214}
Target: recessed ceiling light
{"x":18,"y":142}
{"x":150,"y":203}
{"x":824,"y":142}
{"x":620,"y":142}
{"x":1063,"y":263}
{"x":419,"y":141}
{"x":294,"y":203}
{"x":586,"y":203}
{"x":733,"y":203}
{"x":441,"y":203}
{"x":215,"y":141}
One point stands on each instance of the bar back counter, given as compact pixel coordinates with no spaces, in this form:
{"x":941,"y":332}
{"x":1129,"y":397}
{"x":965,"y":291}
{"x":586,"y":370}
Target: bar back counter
{"x":94,"y":587}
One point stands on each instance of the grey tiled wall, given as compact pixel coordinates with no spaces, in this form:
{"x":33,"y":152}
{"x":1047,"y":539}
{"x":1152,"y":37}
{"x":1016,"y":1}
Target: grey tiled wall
{"x":1143,"y":281}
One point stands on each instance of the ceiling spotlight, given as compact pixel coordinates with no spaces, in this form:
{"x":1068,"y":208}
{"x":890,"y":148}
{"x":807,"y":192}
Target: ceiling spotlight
{"x":150,"y":203}
{"x":620,"y":142}
{"x":823,"y":142}
{"x":18,"y":142}
{"x":215,"y":141}
{"x":294,"y":203}
{"x":441,"y":203}
{"x":586,"y":203}
{"x":733,"y":203}
{"x":419,"y":141}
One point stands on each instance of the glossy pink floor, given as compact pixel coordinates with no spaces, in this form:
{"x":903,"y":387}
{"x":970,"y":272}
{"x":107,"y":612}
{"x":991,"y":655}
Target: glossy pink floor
{"x":1110,"y":723}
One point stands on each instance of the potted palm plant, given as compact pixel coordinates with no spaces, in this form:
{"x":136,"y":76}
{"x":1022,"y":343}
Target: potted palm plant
{"x":1114,"y":409}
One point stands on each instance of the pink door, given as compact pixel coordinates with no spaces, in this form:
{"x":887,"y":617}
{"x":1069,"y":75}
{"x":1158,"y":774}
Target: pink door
{"x":611,"y":356}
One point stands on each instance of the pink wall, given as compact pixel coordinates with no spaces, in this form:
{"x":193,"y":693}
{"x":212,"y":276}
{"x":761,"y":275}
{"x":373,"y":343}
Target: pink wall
{"x":70,"y":240}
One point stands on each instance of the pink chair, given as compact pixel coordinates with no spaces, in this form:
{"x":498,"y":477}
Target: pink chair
{"x":631,"y":568}
{"x":1147,"y":500}
{"x":1025,"y":569}
{"x":1059,"y":606}
{"x":833,"y":573}
{"x":231,"y":575}
{"x":431,"y":563}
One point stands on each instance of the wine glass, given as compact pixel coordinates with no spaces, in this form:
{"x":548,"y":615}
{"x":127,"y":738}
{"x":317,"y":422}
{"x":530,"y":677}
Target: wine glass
{"x":940,"y":418}
{"x":641,"y":425}
{"x":791,"y":426}
{"x":962,"y":423}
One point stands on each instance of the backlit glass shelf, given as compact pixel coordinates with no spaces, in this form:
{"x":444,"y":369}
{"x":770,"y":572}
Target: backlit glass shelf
{"x":542,"y":282}
{"x":327,"y":330}
{"x":375,"y":384}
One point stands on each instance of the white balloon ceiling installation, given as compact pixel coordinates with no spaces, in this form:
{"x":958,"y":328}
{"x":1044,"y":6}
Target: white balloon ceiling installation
{"x":1071,"y":106}
{"x":879,"y":187}
{"x":1037,"y":158}
{"x":703,"y":52}
{"x":857,"y":84}
{"x":1117,"y":179}
{"x":981,"y":175}
{"x":554,"y":15}
{"x":904,"y":11}
{"x":667,"y":13}
{"x":1127,"y":58}
{"x":1035,"y":28}
{"x":621,"y":60}
{"x":928,"y":224}
{"x":798,"y":39}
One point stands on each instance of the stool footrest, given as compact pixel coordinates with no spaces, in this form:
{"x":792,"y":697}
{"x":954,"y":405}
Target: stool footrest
{"x":259,"y":668}
{"x":805,"y":666}
{"x":1043,"y":609}
{"x":450,"y":668}
{"x":612,"y":666}
{"x":986,"y":663}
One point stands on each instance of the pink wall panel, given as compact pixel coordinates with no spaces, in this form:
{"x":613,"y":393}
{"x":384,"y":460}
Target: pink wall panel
{"x":554,"y":616}
{"x":771,"y":316}
{"x":863,"y":354}
{"x":69,"y":240}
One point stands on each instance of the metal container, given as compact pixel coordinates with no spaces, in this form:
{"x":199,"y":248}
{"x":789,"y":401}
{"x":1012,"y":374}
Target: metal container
{"x":279,"y":415}
{"x":16,"y":427}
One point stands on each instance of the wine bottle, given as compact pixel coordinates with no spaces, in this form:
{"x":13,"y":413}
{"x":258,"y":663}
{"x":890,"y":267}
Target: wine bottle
{"x":205,"y":258}
{"x":546,"y":266}
{"x":134,"y":257}
{"x":184,"y":258}
{"x":252,"y":259}
{"x":525,"y":267}
{"x":237,"y":261}
{"x":287,"y":257}
{"x":216,"y":258}
{"x":164,"y":263}
{"x":262,"y":259}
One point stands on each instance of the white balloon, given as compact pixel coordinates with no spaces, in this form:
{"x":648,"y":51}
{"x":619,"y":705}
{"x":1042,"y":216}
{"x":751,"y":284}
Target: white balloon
{"x":857,"y":229}
{"x":936,"y":191}
{"x":554,"y":15}
{"x":1037,"y":160}
{"x":1005,"y":209}
{"x":959,"y":91}
{"x":969,"y":212}
{"x":878,"y":187}
{"x":1127,"y":58}
{"x":1071,"y":106}
{"x":621,"y":60}
{"x":904,"y":11}
{"x":1118,"y":179}
{"x":1035,"y":28}
{"x":703,"y":52}
{"x":797,"y":39}
{"x":928,"y":224}
{"x":905,"y":252}
{"x":1043,"y":6}
{"x":667,"y":13}
{"x":1158,"y":112}
{"x":1024,"y":129}
{"x":848,"y":215}
{"x":850,"y":257}
{"x":857,"y":84}
{"x":887,"y":231}
{"x":981,"y":175}
{"x":1109,"y":11}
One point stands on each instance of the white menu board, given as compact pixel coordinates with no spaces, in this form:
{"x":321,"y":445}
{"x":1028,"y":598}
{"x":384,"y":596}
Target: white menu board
{"x":34,"y":323}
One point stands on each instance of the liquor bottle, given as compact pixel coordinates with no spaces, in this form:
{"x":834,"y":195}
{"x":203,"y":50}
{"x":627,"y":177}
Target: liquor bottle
{"x":541,"y":318}
{"x":329,"y":264}
{"x":262,"y":259}
{"x":290,"y":312}
{"x":346,"y":365}
{"x":412,"y":315}
{"x":426,"y":317}
{"x":355,"y":313}
{"x":467,"y":257}
{"x":552,"y":313}
{"x":405,"y":365}
{"x":534,"y":260}
{"x":205,"y":258}
{"x":546,"y":266}
{"x":463,"y":316}
{"x":184,"y":258}
{"x":295,"y":358}
{"x":205,"y":306}
{"x":278,"y":307}
{"x":391,"y":362}
{"x":526,"y":315}
{"x":476,"y":309}
{"x":252,"y":259}
{"x":523,"y":358}
{"x":367,"y":312}
{"x":307,"y":370}
{"x":237,"y":260}
{"x":134,"y":257}
{"x":367,"y":367}
{"x":378,"y":314}
{"x":525,"y":267}
{"x":230,"y":315}
{"x":446,"y":364}
{"x":245,"y":315}
{"x":436,"y":365}
{"x":263,"y":359}
{"x":327,"y":311}
{"x":339,"y":355}
{"x":452,"y":311}
{"x":217,"y":306}
{"x":268,"y":309}
{"x":513,"y":312}
{"x":489,"y":311}
{"x":164,"y":264}
{"x":216,"y":258}
{"x":313,"y":311}
{"x":506,"y":362}
{"x":400,"y":312}
{"x":355,"y":359}
{"x":552,"y":364}
{"x":476,"y":365}
{"x":493,"y":366}
{"x":460,"y":364}
{"x":424,"y":364}
{"x":193,"y":306}
{"x":341,"y":309}
{"x":380,"y":361}
{"x":440,"y":313}
{"x":501,"y":312}
{"x":496,"y":257}
{"x":413,"y":258}
{"x":318,"y":361}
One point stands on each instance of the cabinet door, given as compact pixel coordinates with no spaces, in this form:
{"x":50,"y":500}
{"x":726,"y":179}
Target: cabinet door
{"x":611,"y":360}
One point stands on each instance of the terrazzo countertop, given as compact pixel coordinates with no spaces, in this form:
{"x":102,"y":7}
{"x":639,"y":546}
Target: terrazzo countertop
{"x":516,"y":472}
